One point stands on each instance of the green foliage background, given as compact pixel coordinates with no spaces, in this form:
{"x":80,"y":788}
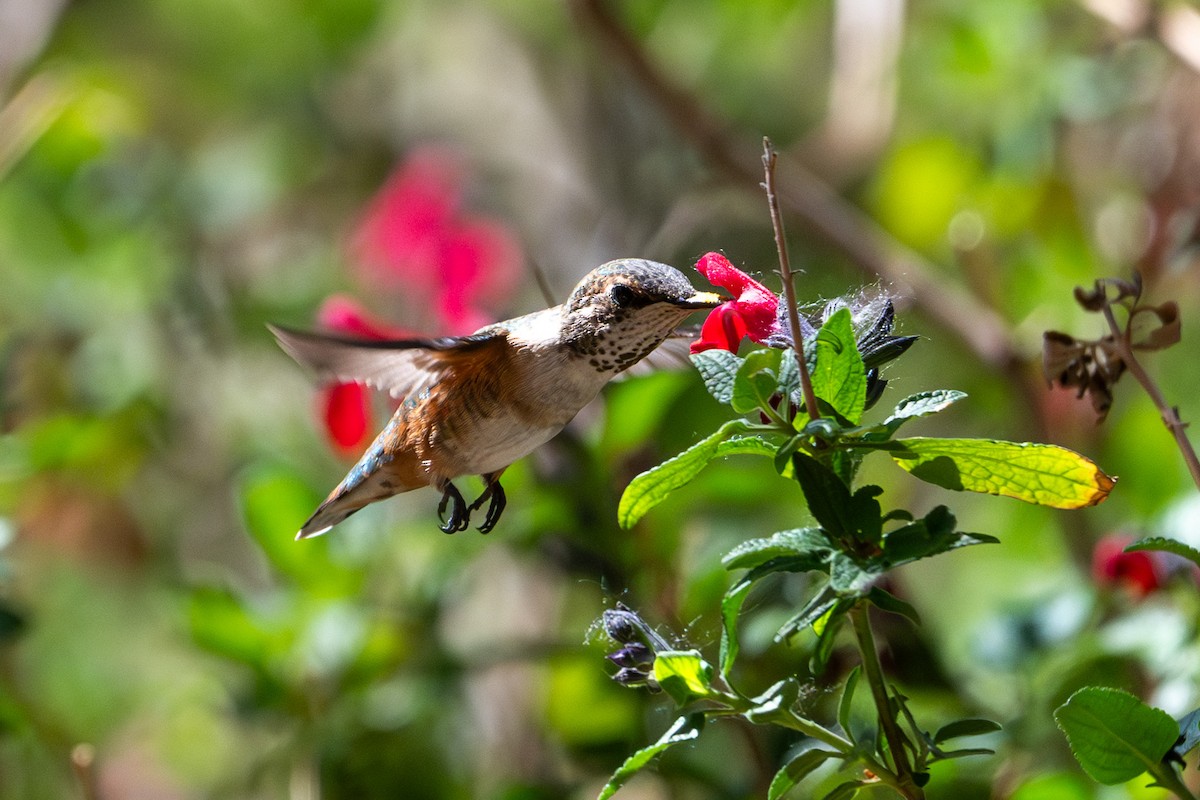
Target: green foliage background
{"x":175,"y":174}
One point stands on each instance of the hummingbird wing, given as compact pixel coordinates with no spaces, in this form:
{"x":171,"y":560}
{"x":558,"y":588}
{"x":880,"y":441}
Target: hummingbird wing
{"x":395,"y":366}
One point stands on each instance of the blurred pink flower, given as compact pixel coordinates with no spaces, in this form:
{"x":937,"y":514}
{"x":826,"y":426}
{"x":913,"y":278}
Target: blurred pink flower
{"x":1138,"y":572}
{"x":753,"y":312}
{"x":415,"y":238}
{"x":414,"y":242}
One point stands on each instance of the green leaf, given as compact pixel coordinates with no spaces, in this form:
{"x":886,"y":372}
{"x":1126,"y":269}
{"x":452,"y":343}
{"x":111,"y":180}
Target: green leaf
{"x":654,"y":485}
{"x":965,"y":727}
{"x":886,"y":601}
{"x":840,"y":379}
{"x":756,"y":381}
{"x":849,"y":578}
{"x":717,"y":369}
{"x":220,"y":623}
{"x":847,"y":699}
{"x":775,"y":703}
{"x":1163,"y":544}
{"x":844,"y":791}
{"x":921,"y":404}
{"x":731,"y":607}
{"x":1115,"y":736}
{"x":796,"y":770}
{"x":685,"y":729}
{"x":819,"y":606}
{"x":805,"y":542}
{"x":683,"y":674}
{"x":1042,"y":474}
{"x":929,"y":536}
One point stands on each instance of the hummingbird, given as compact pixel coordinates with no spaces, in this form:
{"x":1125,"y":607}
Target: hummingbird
{"x":472,"y":405}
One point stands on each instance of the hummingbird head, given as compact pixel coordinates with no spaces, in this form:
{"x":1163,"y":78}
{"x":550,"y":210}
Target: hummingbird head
{"x":624,"y":309}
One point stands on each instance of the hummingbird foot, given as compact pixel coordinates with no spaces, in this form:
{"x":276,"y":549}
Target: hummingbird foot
{"x":460,"y":515}
{"x":495,"y":493}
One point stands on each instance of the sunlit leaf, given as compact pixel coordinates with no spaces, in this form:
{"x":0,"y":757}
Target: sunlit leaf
{"x":683,"y":674}
{"x":654,"y":485}
{"x":1114,"y":735}
{"x":797,"y":542}
{"x":775,"y":703}
{"x":684,"y":729}
{"x":1042,"y":474}
{"x":840,"y":379}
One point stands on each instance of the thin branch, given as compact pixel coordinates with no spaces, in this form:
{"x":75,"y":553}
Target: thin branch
{"x":839,"y":224}
{"x":873,"y":672}
{"x":1169,"y":413}
{"x":785,"y":272}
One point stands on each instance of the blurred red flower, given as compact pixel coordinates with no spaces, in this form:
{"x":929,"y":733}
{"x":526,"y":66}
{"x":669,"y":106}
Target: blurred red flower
{"x":1138,"y":572}
{"x":415,"y":243}
{"x":414,"y":237}
{"x":345,"y":408}
{"x":753,"y":312}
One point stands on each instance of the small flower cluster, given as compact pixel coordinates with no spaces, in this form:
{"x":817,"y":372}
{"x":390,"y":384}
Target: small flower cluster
{"x":639,"y":645}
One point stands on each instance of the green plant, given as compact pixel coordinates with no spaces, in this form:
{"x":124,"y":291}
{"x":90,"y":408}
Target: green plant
{"x":801,"y":401}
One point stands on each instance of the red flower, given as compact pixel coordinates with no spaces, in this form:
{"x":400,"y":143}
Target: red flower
{"x":345,"y":408}
{"x":1138,"y":572}
{"x":753,"y":312}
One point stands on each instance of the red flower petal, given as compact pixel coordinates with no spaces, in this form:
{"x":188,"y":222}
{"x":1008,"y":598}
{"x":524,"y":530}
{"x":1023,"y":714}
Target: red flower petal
{"x":753,"y":312}
{"x":340,"y":314}
{"x":1113,"y":567}
{"x":723,"y":329}
{"x":346,"y":411}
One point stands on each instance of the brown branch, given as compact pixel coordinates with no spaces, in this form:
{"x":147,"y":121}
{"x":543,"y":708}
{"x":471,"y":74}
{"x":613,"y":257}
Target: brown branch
{"x":769,"y":160}
{"x":837,"y":223}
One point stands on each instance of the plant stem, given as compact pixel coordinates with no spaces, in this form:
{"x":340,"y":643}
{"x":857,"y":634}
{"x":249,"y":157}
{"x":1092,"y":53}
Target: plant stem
{"x":785,"y":272}
{"x":1169,"y":780}
{"x":873,"y":671}
{"x":1170,"y":414}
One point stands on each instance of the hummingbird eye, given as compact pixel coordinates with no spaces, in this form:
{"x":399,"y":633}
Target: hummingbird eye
{"x":621,"y":294}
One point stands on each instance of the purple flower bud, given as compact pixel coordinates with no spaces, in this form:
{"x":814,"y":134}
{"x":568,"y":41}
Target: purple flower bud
{"x":628,"y":676}
{"x":621,"y":624}
{"x":634,"y":654}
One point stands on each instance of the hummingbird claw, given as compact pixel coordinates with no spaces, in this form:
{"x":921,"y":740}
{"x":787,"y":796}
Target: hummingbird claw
{"x":494,"y":492}
{"x":460,"y":515}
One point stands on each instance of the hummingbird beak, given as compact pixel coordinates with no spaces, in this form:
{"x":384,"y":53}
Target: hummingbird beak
{"x":701,"y":300}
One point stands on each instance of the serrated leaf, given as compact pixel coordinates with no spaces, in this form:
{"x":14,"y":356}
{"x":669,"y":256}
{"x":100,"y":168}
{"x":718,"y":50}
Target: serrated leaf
{"x":1163,"y":544}
{"x":839,"y":378}
{"x":965,"y":727}
{"x":1114,"y":735}
{"x":756,"y":380}
{"x":921,"y":404}
{"x":654,"y":485}
{"x":1042,"y":474}
{"x":846,"y":701}
{"x":796,"y":770}
{"x":717,"y":369}
{"x":828,"y":499}
{"x":683,"y":674}
{"x":796,"y":542}
{"x":685,"y":729}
